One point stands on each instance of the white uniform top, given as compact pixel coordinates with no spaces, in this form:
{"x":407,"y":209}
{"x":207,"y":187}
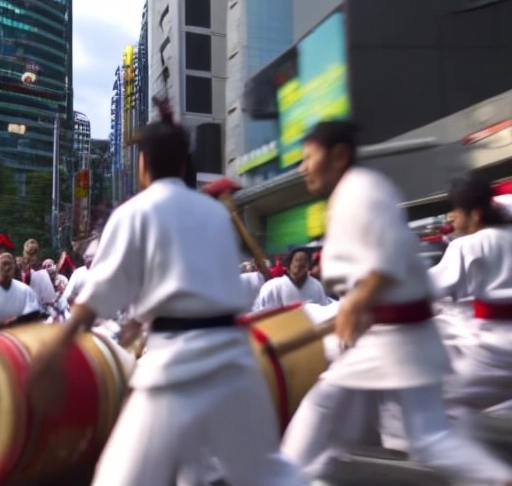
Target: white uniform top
{"x":17,"y":301}
{"x":92,"y":248}
{"x":367,"y":232}
{"x":42,"y":285}
{"x":477,"y":265}
{"x":171,"y":251}
{"x":76,"y":283}
{"x":282,"y":291}
{"x":505,"y":202}
{"x":252,"y":283}
{"x":61,"y":281}
{"x":320,"y":314}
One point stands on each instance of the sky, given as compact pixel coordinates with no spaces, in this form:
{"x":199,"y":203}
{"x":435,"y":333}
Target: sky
{"x":101,"y":29}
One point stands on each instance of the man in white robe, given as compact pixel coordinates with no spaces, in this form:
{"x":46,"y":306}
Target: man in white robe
{"x":252,"y":283}
{"x":199,"y":386}
{"x":296,"y":286}
{"x":59,"y":281}
{"x":37,"y":278}
{"x":393,"y":350}
{"x":78,"y":278}
{"x":16,"y":298}
{"x":476,"y":272}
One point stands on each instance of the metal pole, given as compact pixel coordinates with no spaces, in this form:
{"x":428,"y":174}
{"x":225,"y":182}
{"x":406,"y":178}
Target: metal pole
{"x":134,"y":158}
{"x":55,"y":183}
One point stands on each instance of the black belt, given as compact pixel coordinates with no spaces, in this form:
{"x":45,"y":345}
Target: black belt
{"x":178,"y":324}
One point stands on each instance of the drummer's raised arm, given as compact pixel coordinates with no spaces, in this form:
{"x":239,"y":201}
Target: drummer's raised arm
{"x":115,"y":276}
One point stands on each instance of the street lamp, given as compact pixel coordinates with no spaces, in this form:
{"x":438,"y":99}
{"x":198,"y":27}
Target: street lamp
{"x":55,"y":182}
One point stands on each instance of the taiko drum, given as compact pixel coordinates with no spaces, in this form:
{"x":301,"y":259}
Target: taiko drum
{"x":33,"y":446}
{"x":290,"y":376}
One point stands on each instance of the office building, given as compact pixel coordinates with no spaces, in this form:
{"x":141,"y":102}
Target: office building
{"x":81,"y":140}
{"x":307,"y":13}
{"x":129,"y":111}
{"x":36,"y":81}
{"x":258,"y":31}
{"x":394,"y":66}
{"x":142,"y":73}
{"x":116,"y":134}
{"x":187,"y":63}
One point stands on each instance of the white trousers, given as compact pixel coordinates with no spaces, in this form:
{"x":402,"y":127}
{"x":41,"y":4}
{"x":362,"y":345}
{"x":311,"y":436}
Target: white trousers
{"x":161,"y":433}
{"x":332,"y":416}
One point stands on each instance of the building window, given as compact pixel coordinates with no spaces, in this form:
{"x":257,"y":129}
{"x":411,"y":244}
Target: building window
{"x":198,"y":13}
{"x":162,"y":17}
{"x":198,"y":97}
{"x":198,"y":51}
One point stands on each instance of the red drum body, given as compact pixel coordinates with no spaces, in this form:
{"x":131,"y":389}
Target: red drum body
{"x":291,"y":376}
{"x":33,"y":446}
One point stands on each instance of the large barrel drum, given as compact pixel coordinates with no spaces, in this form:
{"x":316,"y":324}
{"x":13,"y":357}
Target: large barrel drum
{"x":290,"y":376}
{"x":37,"y":447}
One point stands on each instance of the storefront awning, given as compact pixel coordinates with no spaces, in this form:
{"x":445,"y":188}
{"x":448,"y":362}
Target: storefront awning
{"x":271,"y":196}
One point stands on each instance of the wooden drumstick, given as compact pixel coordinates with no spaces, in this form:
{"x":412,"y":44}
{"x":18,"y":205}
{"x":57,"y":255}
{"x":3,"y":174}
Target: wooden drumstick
{"x":223,"y":190}
{"x":302,"y":339}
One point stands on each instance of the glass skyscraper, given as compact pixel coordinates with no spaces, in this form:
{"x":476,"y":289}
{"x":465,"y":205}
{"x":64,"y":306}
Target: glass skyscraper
{"x":258,"y":31}
{"x":116,"y":135}
{"x":142,"y":73}
{"x":35,"y":80}
{"x":81,"y":139}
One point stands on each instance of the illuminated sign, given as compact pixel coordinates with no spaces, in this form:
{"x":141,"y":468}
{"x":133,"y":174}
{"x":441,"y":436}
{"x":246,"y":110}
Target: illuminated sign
{"x":17,"y":129}
{"x":128,"y":90}
{"x":258,"y":157}
{"x":295,"y":226}
{"x":315,"y":219}
{"x":319,"y":91}
{"x":129,"y":78}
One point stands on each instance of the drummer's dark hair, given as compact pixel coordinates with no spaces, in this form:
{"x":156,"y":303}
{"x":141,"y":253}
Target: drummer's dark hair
{"x":331,"y":133}
{"x":475,"y":193}
{"x":165,"y":145}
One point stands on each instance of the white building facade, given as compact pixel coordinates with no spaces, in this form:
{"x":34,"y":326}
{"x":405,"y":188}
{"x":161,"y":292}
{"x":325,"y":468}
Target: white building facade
{"x":187,"y":58}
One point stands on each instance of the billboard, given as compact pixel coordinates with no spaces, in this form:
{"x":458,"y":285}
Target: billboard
{"x":318,"y":89}
{"x":295,"y":226}
{"x":128,"y":123}
{"x":81,"y":204}
{"x":129,"y":78}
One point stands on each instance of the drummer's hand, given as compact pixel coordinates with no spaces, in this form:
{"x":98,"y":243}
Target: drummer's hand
{"x":130,"y":332}
{"x":349,"y":320}
{"x":46,"y":384}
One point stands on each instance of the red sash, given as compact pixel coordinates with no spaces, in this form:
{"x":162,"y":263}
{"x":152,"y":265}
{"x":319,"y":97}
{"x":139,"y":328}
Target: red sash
{"x":406,"y":313}
{"x":499,"y":311}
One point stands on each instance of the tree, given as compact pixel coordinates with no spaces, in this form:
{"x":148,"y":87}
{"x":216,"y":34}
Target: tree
{"x":26,"y":216}
{"x":9,"y":207}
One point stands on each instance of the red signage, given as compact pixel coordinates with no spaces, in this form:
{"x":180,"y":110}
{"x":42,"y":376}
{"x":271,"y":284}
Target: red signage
{"x":81,"y":203}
